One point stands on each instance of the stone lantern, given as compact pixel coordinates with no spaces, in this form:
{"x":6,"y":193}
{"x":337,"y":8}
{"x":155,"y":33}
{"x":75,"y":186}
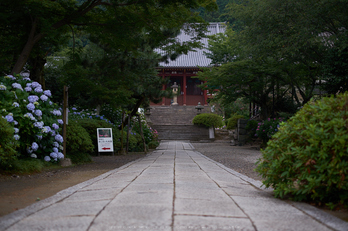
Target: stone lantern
{"x":199,"y":108}
{"x":175,"y":88}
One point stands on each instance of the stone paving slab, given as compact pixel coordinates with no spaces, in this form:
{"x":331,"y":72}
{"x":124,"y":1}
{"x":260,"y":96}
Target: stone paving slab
{"x":173,"y":188}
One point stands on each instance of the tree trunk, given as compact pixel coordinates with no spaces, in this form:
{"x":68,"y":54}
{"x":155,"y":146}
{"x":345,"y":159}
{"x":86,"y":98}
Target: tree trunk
{"x":37,"y":70}
{"x":135,"y":110}
{"x":23,"y":57}
{"x":128,"y":131}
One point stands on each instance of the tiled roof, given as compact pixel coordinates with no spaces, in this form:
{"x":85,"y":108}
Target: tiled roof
{"x":198,"y":58}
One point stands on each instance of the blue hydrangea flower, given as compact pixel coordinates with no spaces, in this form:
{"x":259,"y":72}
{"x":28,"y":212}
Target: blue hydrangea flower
{"x":56,"y":112}
{"x":44,"y":98}
{"x":15,"y":104}
{"x":60,"y":155}
{"x":38,"y":112}
{"x":16,"y":130}
{"x":16,"y":137}
{"x":34,"y":146}
{"x":29,"y":115}
{"x":39,"y":124}
{"x":55,"y":126}
{"x":59,"y":138}
{"x":48,"y":93}
{"x":31,"y":107}
{"x":39,"y":137}
{"x":47,"y":158}
{"x":60,"y":121}
{"x":55,"y":150}
{"x":35,"y":84}
{"x":55,"y":144}
{"x":46,"y":129}
{"x":33,"y":155}
{"x":9,"y":118}
{"x":15,"y":122}
{"x":28,"y":89}
{"x":27,"y":79}
{"x":38,"y":90}
{"x":54,"y":155}
{"x":17,"y":86}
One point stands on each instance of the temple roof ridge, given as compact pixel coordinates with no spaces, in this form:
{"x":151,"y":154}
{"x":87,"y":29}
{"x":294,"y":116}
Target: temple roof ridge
{"x":195,"y":58}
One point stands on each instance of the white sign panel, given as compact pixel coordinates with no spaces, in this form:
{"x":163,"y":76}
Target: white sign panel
{"x":105,"y":143}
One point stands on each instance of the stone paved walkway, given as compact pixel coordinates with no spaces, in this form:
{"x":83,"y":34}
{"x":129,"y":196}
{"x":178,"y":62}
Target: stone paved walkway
{"x":173,"y":188}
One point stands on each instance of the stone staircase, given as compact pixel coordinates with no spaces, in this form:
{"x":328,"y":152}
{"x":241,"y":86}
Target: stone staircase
{"x":175,"y":123}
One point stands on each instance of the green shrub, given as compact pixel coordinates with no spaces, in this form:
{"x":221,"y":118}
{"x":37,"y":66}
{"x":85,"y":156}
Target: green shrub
{"x":232,"y":122}
{"x":307,"y":158}
{"x":91,"y":126}
{"x":208,"y":120}
{"x":79,"y":145}
{"x":8,"y":144}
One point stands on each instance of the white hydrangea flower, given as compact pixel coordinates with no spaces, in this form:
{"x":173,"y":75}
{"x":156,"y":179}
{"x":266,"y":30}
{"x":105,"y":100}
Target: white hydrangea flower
{"x":33,"y":155}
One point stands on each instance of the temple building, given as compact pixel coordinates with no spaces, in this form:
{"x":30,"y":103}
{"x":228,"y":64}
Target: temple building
{"x":182,"y":70}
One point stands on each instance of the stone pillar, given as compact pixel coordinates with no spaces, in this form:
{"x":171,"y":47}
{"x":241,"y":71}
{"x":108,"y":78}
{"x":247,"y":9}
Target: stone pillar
{"x":242,"y":132}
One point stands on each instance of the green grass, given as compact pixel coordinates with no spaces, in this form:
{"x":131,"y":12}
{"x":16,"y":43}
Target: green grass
{"x":26,"y":166}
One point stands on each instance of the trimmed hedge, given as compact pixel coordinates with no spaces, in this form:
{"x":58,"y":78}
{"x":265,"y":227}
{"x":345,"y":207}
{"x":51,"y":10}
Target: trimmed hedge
{"x":208,"y":120}
{"x":232,"y":122}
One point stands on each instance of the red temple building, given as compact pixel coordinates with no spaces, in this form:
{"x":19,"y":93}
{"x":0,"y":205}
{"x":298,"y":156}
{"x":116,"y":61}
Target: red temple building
{"x":182,"y":70}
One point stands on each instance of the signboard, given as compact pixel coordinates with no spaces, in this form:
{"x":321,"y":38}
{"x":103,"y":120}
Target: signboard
{"x":105,"y":143}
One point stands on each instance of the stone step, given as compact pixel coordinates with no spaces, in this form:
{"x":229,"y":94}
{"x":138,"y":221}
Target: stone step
{"x":182,"y":132}
{"x":173,"y":115}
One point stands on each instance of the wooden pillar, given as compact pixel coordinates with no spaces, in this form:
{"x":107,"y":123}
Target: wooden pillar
{"x":205,"y":96}
{"x":184,"y":88}
{"x":163,"y":88}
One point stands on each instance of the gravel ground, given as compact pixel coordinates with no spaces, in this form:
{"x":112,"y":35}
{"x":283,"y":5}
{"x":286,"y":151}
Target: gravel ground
{"x":239,"y":158}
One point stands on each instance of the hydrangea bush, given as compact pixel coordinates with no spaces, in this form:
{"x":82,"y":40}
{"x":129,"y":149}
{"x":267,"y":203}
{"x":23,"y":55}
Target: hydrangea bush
{"x":267,"y":128}
{"x":35,"y":118}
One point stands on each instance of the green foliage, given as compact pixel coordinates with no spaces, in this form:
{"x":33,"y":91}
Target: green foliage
{"x":233,"y":121}
{"x":267,"y":128}
{"x":79,"y":145}
{"x":251,"y":128}
{"x":307,"y":158}
{"x":208,"y":120}
{"x":8,"y":144}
